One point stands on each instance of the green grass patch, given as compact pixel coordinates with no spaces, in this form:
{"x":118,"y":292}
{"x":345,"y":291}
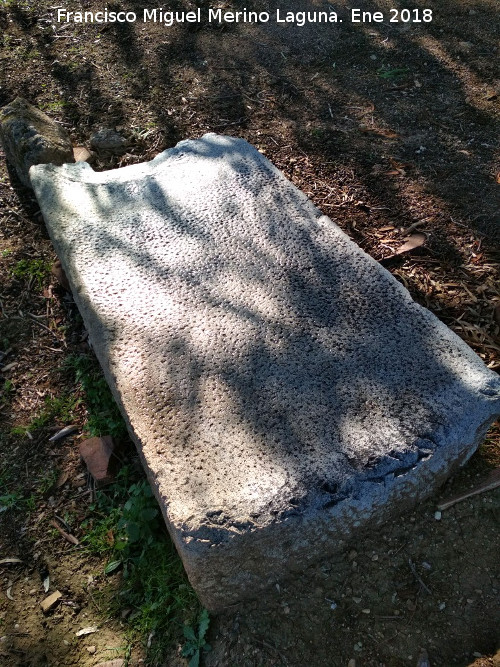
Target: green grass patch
{"x":392,"y":73}
{"x":35,"y":272}
{"x":125,"y":526}
{"x":58,"y":410}
{"x":103,"y":414}
{"x":12,"y":498}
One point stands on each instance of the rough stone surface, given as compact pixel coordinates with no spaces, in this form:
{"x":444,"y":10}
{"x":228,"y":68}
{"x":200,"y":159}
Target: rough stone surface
{"x":283,"y":389}
{"x":99,"y":456}
{"x":30,"y":137}
{"x":108,"y":141}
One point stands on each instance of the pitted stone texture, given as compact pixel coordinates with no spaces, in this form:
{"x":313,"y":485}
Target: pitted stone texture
{"x":283,"y":389}
{"x":30,"y":137}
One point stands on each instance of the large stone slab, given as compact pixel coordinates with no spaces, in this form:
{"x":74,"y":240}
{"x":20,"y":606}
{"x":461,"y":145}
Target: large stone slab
{"x":283,"y":389}
{"x":30,"y":137}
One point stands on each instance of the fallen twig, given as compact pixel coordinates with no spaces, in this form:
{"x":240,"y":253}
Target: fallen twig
{"x":417,"y":577}
{"x":491,"y":482}
{"x":67,"y":536}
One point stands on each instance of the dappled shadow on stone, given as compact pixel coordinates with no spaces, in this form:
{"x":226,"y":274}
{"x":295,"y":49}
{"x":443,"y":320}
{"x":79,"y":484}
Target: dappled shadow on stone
{"x":278,"y":381}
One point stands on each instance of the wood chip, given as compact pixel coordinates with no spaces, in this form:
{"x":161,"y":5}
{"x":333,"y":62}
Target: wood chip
{"x":10,"y":561}
{"x":49,"y":602}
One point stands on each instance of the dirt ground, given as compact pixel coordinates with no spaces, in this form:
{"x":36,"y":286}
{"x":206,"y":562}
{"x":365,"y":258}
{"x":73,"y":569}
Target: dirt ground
{"x":391,"y":129}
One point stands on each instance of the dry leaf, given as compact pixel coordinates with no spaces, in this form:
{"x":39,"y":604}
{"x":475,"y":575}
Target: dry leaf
{"x":67,"y":430}
{"x":415,"y":241}
{"x":86,"y":631}
{"x":63,"y":478}
{"x":8,"y":561}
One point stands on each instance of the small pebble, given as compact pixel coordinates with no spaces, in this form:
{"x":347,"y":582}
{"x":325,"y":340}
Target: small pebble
{"x":442,"y":606}
{"x":356,"y":600}
{"x":438,"y":515}
{"x":91,"y":649}
{"x":374,"y":557}
{"x":365,"y":611}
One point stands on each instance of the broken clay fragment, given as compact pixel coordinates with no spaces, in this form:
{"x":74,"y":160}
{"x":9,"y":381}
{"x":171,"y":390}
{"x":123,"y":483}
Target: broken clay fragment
{"x":99,"y":457}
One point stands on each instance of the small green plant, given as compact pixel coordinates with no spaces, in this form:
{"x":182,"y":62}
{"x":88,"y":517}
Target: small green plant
{"x":388,"y":73}
{"x":6,"y":392}
{"x":47,"y":482}
{"x":125,"y":525}
{"x":10,"y":501}
{"x":196,"y":639}
{"x":103,"y":414}
{"x":6,"y":252}
{"x":59,"y":410}
{"x":16,"y":501}
{"x":137,"y":526}
{"x":35,"y":271}
{"x":56,"y":105}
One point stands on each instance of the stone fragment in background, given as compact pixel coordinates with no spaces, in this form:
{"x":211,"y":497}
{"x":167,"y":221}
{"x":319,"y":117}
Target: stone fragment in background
{"x":108,"y":141}
{"x":30,"y":137}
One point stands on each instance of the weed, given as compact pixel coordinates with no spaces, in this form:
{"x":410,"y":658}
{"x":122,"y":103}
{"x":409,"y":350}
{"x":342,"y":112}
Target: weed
{"x":6,"y":252}
{"x":103,"y":415}
{"x":126,"y":525}
{"x":196,"y":640}
{"x":11,"y":501}
{"x":7,"y":392}
{"x":46,"y":483}
{"x":17,"y":501}
{"x":388,"y":73}
{"x":54,"y":410}
{"x":56,"y":105}
{"x":34,"y":271}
